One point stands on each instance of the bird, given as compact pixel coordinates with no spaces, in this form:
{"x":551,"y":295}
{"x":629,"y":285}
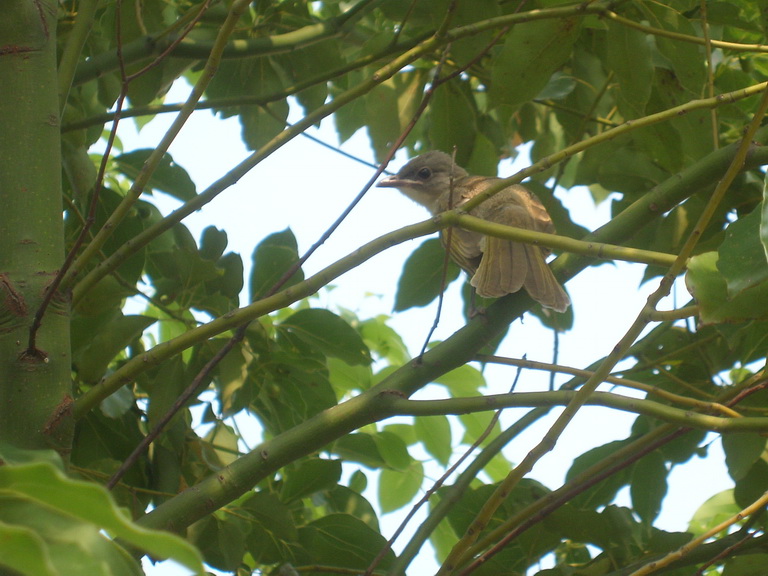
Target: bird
{"x":496,"y":266}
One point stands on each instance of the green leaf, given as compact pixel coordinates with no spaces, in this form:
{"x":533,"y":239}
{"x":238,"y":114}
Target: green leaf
{"x":764,"y":217}
{"x":746,"y":565}
{"x":466,"y":49}
{"x":346,"y":378}
{"x":452,"y":120}
{"x":112,"y":337}
{"x":221,"y":540}
{"x":382,"y":340}
{"x":648,"y":486}
{"x":38,"y":498}
{"x":435,"y":433}
{"x":168,"y":177}
{"x":390,"y":106}
{"x":741,"y":453}
{"x":687,"y":59}
{"x":272,"y":258}
{"x":309,"y":477}
{"x":346,"y":500}
{"x":343,"y":541}
{"x":422,"y":277}
{"x":742,"y":257}
{"x":24,"y":551}
{"x":603,"y":492}
{"x":359,"y":447}
{"x":393,"y":449}
{"x":329,"y":333}
{"x":213,"y":242}
{"x":220,"y":448}
{"x":629,"y":56}
{"x":531,"y":54}
{"x":261,"y":125}
{"x":398,"y":487}
{"x":710,"y":290}
{"x":463,"y":381}
{"x":271,"y":528}
{"x":713,"y":512}
{"x":752,"y":486}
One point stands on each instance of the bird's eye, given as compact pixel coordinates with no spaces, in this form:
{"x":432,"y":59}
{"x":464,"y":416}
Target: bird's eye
{"x":424,"y":173}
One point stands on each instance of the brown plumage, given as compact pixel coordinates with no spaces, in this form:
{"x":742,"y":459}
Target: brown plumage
{"x":497,"y":267}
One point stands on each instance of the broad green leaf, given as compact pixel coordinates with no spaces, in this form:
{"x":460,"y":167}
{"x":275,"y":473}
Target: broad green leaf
{"x":746,"y":565}
{"x":710,"y":290}
{"x":390,"y":106}
{"x":462,"y":381}
{"x":329,"y":333}
{"x":39,"y":491}
{"x":272,"y":258}
{"x":168,"y":177}
{"x":347,"y":378}
{"x":422,"y":277}
{"x":741,"y":453}
{"x":221,"y":447}
{"x":603,"y":492}
{"x":221,"y":540}
{"x":764,"y":217}
{"x":25,"y":551}
{"x":466,"y":49}
{"x":308,"y":63}
{"x":687,"y":59}
{"x":398,"y":487}
{"x":434,"y":432}
{"x":393,"y":449}
{"x":308,"y":477}
{"x":752,"y":485}
{"x":213,"y":242}
{"x":272,"y":530}
{"x":343,"y":541}
{"x":742,"y":258}
{"x":452,"y":122}
{"x":629,"y":57}
{"x":348,"y":501}
{"x":648,"y":486}
{"x":530,"y":55}
{"x":110,"y":340}
{"x":290,"y":389}
{"x":476,"y":425}
{"x":359,"y":447}
{"x":405,"y":431}
{"x":422,"y":13}
{"x":383,"y":341}
{"x":713,"y":512}
{"x":261,"y":125}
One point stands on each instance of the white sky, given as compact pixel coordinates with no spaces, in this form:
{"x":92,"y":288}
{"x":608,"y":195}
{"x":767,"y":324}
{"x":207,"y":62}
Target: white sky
{"x":305,"y":186}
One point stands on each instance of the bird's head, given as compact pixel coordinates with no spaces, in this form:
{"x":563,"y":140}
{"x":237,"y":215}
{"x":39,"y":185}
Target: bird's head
{"x":425,"y":178}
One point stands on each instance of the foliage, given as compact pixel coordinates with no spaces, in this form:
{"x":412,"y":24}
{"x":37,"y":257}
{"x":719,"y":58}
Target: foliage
{"x":659,"y":103}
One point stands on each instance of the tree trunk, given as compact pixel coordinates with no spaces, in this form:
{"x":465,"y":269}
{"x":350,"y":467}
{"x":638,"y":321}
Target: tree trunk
{"x":35,"y":381}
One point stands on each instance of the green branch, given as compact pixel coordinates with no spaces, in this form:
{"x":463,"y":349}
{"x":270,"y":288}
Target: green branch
{"x":150,"y":46}
{"x":86,"y":15}
{"x":131,"y":247}
{"x":217,"y":490}
{"x":671,"y":113}
{"x":94,"y":247}
{"x":593,"y":249}
{"x":132,"y":368}
{"x":669,"y":414}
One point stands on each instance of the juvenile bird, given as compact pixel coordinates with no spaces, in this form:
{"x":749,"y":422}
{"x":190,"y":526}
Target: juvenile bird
{"x":497,"y":266}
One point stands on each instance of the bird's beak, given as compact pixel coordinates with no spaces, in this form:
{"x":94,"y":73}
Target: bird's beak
{"x":391,"y":182}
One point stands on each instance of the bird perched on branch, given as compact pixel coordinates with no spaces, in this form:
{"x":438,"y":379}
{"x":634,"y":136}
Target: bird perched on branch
{"x":497,"y":267}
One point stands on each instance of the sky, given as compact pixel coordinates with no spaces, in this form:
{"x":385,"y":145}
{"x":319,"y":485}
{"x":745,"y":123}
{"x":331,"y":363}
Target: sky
{"x":305,"y":186}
